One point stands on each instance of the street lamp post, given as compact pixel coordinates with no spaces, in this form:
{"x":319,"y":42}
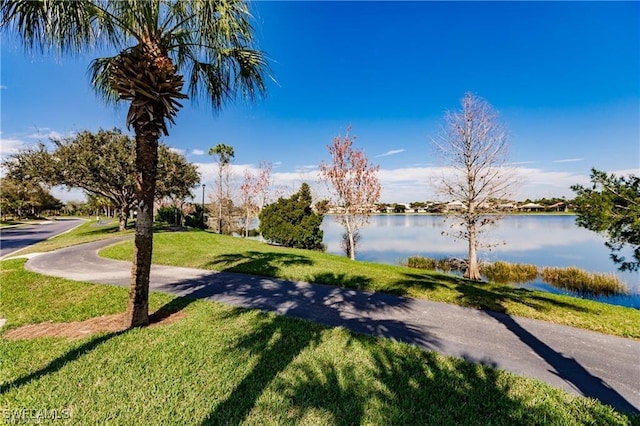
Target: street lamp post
{"x":203,"y":185}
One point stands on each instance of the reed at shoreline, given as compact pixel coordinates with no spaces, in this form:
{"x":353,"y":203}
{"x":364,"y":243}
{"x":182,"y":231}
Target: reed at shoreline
{"x":570,"y":278}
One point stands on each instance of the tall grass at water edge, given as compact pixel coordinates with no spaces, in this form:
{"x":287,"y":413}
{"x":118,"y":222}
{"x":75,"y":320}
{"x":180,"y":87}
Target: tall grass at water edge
{"x":580,"y":281}
{"x":570,"y":278}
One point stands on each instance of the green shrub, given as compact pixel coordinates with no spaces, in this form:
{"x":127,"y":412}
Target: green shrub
{"x":291,"y":222}
{"x":170,"y":215}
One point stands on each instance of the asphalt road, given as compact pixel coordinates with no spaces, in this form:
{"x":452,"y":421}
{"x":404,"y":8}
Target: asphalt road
{"x":579,"y":361}
{"x":16,"y":238}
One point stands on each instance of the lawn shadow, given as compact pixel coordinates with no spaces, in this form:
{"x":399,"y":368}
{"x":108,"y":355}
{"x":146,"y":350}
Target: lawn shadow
{"x":257,"y":263}
{"x":175,"y":305}
{"x":567,"y":368}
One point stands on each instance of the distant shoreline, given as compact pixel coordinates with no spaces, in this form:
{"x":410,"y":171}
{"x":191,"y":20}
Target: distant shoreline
{"x":453,"y":214}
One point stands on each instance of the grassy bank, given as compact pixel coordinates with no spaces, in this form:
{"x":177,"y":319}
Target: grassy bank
{"x":212,"y":251}
{"x":223,"y":365}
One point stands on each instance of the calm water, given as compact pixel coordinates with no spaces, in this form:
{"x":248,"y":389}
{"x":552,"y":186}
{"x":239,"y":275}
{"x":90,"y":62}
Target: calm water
{"x":543,"y":240}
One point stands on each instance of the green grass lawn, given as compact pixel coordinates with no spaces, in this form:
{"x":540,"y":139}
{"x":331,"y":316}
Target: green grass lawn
{"x":218,"y":252}
{"x":224,"y":365}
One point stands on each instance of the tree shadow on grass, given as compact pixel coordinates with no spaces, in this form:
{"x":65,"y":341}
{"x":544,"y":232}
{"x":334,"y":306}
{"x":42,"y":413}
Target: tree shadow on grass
{"x":257,"y":263}
{"x":377,"y":383}
{"x":424,"y":282}
{"x":277,"y":342}
{"x":175,"y":305}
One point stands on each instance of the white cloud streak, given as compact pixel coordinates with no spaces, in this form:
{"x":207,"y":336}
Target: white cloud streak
{"x":392,"y":152}
{"x":568,"y":160}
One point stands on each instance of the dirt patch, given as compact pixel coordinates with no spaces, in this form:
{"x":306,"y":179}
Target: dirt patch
{"x":75,"y":330}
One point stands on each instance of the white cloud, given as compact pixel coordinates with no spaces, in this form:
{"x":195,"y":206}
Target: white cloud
{"x":568,"y":160}
{"x":307,"y":168}
{"x":197,"y":152}
{"x":392,"y":152}
{"x":46,"y":134}
{"x":177,"y":150}
{"x":407,"y":184}
{"x":3,"y":87}
{"x":11,"y":146}
{"x":626,"y":172}
{"x":520,"y":163}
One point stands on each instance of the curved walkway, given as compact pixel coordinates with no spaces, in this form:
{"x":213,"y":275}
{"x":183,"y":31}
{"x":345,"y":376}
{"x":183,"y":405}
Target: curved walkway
{"x":579,"y":361}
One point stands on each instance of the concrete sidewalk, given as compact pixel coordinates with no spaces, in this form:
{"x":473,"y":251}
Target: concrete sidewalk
{"x":579,"y":361}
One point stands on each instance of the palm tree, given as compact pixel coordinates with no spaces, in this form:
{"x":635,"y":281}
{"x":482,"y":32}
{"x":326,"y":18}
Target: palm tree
{"x":157,"y":42}
{"x":225,"y":154}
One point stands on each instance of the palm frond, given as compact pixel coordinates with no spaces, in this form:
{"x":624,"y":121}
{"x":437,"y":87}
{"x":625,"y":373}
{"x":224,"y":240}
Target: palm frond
{"x":100,"y":73}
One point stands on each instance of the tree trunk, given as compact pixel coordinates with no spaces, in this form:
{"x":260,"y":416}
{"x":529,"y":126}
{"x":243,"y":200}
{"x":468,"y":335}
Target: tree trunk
{"x":123,"y":216}
{"x":352,"y":244}
{"x":473,"y":270}
{"x":146,"y":167}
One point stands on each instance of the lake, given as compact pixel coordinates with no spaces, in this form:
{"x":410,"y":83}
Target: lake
{"x":542,"y":240}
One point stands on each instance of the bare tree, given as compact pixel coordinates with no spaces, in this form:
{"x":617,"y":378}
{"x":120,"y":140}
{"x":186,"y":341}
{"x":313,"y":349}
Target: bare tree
{"x":253,"y":193}
{"x":247,"y":199}
{"x":473,"y":146}
{"x":263,"y":184}
{"x":224,"y":154}
{"x":354,"y":184}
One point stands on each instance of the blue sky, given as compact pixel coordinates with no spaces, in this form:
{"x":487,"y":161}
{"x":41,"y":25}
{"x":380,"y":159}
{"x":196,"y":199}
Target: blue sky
{"x":564,"y":77}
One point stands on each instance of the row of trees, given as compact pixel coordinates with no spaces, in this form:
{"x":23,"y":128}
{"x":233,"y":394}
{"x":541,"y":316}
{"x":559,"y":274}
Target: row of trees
{"x":103,"y":165}
{"x":23,"y":199}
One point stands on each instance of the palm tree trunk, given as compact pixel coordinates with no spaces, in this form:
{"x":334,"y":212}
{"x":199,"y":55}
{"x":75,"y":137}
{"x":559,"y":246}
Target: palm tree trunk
{"x":146,"y":165}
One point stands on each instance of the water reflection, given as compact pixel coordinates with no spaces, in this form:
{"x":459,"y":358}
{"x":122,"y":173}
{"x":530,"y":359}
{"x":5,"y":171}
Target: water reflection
{"x":542,"y":240}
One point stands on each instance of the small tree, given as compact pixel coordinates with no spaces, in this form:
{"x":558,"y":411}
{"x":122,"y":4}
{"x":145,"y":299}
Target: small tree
{"x":291,"y":222}
{"x":612,"y":207}
{"x":473,"y":147}
{"x":354,"y":184}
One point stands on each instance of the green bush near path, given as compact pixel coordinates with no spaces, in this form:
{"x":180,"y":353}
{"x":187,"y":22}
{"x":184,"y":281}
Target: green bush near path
{"x":218,"y":252}
{"x":224,"y":365}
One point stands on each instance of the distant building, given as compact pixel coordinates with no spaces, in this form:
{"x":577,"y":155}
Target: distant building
{"x":455,"y":206}
{"x":531,"y":207}
{"x":559,"y":207}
